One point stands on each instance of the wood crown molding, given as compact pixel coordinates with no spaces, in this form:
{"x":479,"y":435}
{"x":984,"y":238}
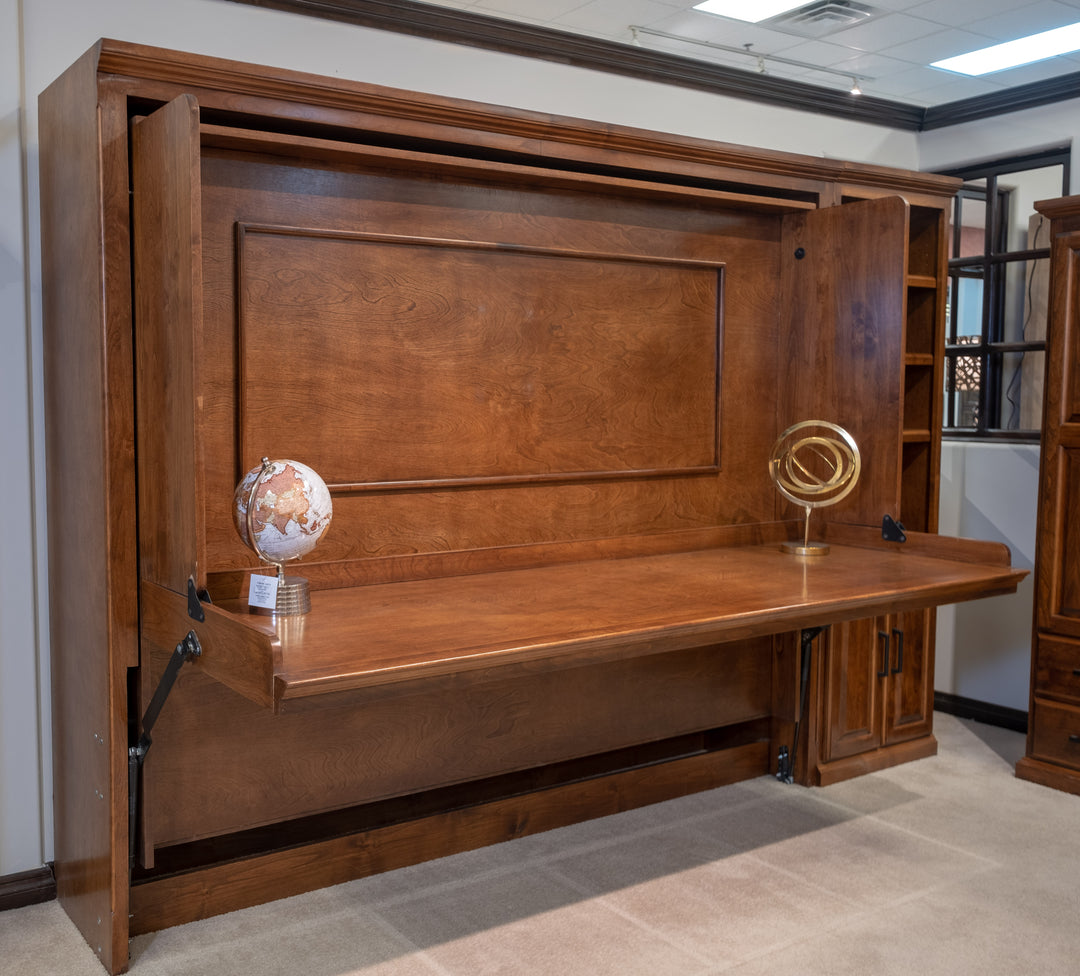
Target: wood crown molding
{"x":530,"y":135}
{"x":528,"y":40}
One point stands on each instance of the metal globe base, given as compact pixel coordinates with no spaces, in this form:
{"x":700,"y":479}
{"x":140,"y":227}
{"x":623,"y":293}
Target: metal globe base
{"x":293,"y":598}
{"x":809,"y":549}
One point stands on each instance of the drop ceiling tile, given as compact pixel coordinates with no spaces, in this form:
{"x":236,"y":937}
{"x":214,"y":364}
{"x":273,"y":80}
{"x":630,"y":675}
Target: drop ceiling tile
{"x":961,"y":13}
{"x":934,"y":47}
{"x":1038,"y":71}
{"x":528,"y":10}
{"x":884,"y":31}
{"x":874,"y":65}
{"x":1030,"y":19}
{"x":815,"y":52}
{"x":612,"y":18}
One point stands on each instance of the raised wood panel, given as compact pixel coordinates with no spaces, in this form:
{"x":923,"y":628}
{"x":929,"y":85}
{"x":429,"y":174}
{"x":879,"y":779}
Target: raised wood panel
{"x":1056,"y":673}
{"x":1066,"y":554}
{"x":1066,"y":302}
{"x":469,"y":363}
{"x":910,"y":703}
{"x":220,"y":763}
{"x":855,"y":659}
{"x":242,"y":188}
{"x":1054,"y":735}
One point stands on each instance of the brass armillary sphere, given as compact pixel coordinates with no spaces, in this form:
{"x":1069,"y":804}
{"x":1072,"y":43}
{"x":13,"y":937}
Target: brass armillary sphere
{"x":814,"y":463}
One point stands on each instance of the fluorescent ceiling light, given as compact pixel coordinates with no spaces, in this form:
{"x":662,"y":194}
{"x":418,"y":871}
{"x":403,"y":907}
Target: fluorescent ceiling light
{"x":751,"y":12}
{"x":1023,"y":50}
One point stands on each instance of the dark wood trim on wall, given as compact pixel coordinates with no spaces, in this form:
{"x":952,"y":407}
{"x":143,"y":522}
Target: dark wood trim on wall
{"x":985,"y":712}
{"x":27,"y":888}
{"x":528,"y":40}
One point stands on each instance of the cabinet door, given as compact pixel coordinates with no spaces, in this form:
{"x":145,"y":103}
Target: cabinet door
{"x":909,"y":702}
{"x":856,"y":662}
{"x":843,"y":298}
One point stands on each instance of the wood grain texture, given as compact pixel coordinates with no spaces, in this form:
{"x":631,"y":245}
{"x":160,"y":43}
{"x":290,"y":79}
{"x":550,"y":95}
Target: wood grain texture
{"x":843,"y":309}
{"x":554,"y":667}
{"x":210,"y":891}
{"x":166,"y":222}
{"x":544,"y":424}
{"x":92,"y":544}
{"x":459,"y":363}
{"x":1052,"y":756}
{"x":592,"y":611}
{"x":221,"y":764}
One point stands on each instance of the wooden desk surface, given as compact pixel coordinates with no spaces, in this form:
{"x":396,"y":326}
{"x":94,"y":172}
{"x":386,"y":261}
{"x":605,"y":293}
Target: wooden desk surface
{"x":451,"y":629}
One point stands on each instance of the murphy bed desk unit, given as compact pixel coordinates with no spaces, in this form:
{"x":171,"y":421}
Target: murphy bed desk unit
{"x":541,"y":362}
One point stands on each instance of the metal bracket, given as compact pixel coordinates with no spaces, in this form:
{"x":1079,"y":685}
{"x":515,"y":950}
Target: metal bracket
{"x":892,"y":531}
{"x":187,"y":650}
{"x":195,"y":600}
{"x":785,"y":760}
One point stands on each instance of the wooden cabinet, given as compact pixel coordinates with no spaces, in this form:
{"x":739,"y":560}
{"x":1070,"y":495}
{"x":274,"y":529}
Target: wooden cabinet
{"x":1053,"y":741}
{"x":868,"y":715}
{"x":541,"y":363}
{"x":878,"y":695}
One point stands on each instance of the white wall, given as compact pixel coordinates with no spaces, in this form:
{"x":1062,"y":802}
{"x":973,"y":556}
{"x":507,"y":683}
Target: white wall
{"x":38,"y":39}
{"x":989,"y":491}
{"x":22,"y":773}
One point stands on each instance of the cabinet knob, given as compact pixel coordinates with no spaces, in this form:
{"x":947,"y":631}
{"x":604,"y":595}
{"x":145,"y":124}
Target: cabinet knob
{"x":1074,"y":737}
{"x":883,"y":636}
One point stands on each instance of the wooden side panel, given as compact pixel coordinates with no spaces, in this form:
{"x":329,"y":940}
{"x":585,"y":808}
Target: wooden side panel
{"x":90,"y":494}
{"x":167,"y":251}
{"x":844,"y":293}
{"x":221,"y":763}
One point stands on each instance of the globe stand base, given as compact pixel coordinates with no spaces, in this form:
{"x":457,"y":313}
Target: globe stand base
{"x":809,"y":549}
{"x":293,"y":598}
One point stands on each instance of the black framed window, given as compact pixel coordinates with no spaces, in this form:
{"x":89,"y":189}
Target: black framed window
{"x":999,"y":261}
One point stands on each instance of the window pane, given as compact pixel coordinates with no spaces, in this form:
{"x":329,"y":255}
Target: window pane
{"x":1024,"y":188}
{"x":972,"y":224}
{"x":1022,"y":387}
{"x":963,"y":376}
{"x":969,"y":309}
{"x":1026,"y":288}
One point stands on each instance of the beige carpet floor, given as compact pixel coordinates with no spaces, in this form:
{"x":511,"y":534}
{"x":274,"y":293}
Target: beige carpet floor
{"x":944,"y":866}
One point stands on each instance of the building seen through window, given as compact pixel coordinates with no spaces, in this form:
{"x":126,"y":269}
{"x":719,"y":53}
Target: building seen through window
{"x":999,"y":267}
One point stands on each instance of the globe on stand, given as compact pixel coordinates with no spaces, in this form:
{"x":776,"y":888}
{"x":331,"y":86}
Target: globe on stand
{"x":813,"y":464}
{"x":281,"y":510}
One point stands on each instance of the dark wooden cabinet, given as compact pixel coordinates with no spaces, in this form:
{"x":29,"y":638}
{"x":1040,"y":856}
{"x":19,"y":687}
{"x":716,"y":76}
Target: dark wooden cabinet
{"x":541,"y":363}
{"x":878,"y":694}
{"x":1053,"y":740}
{"x":870,"y":716}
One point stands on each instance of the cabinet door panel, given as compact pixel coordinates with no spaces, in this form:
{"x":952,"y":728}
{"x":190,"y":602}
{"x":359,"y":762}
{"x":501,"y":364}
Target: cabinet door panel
{"x":910,"y":698}
{"x":855,"y":659}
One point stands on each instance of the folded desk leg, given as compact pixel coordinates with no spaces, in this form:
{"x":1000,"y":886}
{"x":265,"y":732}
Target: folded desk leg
{"x":785,"y":765}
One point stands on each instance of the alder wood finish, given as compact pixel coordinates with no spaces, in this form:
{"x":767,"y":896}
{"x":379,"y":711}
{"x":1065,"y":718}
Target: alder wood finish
{"x":1053,"y":742}
{"x":541,"y":362}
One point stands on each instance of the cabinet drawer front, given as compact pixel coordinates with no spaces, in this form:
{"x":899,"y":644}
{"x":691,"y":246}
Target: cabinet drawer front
{"x":1057,"y":669}
{"x":1056,"y":736}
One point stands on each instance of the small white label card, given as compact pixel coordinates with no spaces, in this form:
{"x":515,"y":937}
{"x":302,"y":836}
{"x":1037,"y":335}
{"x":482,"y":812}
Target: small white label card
{"x":263,"y":592}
